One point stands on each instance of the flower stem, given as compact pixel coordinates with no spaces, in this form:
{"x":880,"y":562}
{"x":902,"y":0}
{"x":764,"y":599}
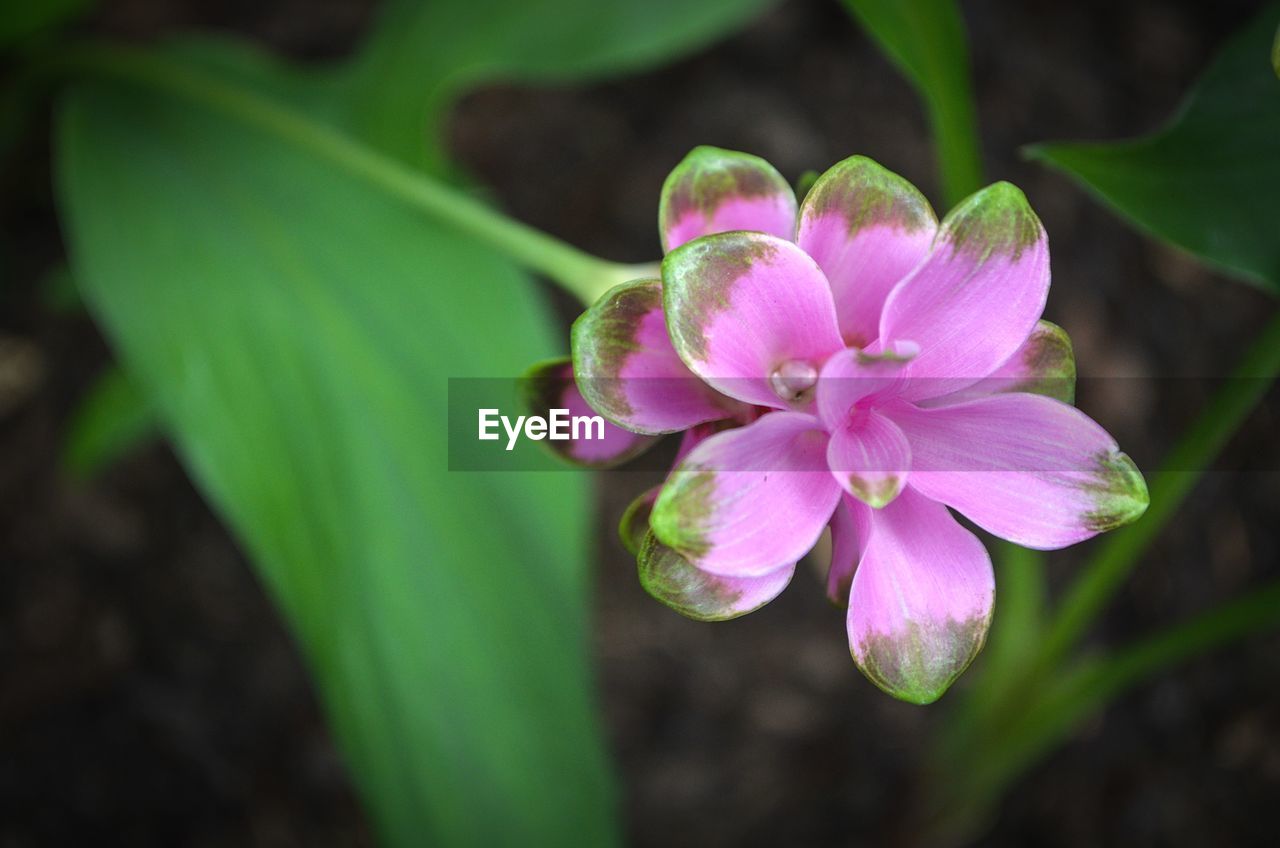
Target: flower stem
{"x":956,"y":131}
{"x":1017,"y":710}
{"x":926,"y":39}
{"x":970,"y":782}
{"x":577,"y":272}
{"x":1119,"y":553}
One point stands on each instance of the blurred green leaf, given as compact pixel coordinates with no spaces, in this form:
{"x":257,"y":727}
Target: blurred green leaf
{"x":422,"y":55}
{"x":295,"y":328}
{"x":1208,"y":182}
{"x":114,"y":417}
{"x":926,"y":40}
{"x":20,"y":20}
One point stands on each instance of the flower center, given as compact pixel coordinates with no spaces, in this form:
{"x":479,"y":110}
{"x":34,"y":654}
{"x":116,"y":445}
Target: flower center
{"x":792,"y":379}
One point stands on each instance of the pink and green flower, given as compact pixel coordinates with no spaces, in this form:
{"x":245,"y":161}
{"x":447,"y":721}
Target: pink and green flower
{"x":849,"y":363}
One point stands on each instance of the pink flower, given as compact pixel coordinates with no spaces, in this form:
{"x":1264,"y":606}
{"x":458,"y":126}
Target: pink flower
{"x":624,"y":363}
{"x":889,"y":368}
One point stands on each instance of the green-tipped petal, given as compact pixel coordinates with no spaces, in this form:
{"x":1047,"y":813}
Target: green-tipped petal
{"x":717,"y":191}
{"x":747,"y":501}
{"x":699,"y":594}
{"x":1045,"y":364}
{"x":549,"y":385}
{"x":921,"y":601}
{"x":634,"y":524}
{"x":1118,"y":492}
{"x":741,"y":306}
{"x":1029,"y":469}
{"x":996,"y":221}
{"x":867,"y":228}
{"x":628,"y":371}
{"x":976,"y":298}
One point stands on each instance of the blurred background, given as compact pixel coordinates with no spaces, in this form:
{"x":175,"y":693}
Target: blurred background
{"x":150,"y":694}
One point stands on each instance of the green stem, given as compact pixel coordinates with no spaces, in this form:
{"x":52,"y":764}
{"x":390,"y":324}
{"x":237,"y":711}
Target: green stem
{"x":1119,"y":553}
{"x":1021,"y":593}
{"x":1047,"y":715}
{"x":955,"y":128}
{"x":577,"y":272}
{"x":926,"y":39}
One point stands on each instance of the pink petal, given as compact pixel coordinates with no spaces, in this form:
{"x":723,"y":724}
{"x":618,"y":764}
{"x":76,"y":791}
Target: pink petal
{"x":748,"y":501}
{"x":550,"y":385}
{"x":634,"y":524}
{"x":977,"y":296}
{"x":627,"y":369}
{"x":921,"y":600}
{"x":696,"y":435}
{"x":850,"y":530}
{"x":742,"y":306}
{"x":853,"y":377}
{"x":869,"y":457}
{"x":1025,"y":467}
{"x":867,"y":228}
{"x":1043,"y":365}
{"x":716,"y":191}
{"x":700,"y":594}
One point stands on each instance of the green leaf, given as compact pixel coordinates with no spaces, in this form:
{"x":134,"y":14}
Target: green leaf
{"x":112,"y":419}
{"x":926,"y":40}
{"x":421,"y":56}
{"x":295,"y":327}
{"x":1208,"y":181}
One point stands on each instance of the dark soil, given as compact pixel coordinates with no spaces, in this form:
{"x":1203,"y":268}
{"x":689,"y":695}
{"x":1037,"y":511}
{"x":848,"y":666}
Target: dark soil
{"x":149,"y":694}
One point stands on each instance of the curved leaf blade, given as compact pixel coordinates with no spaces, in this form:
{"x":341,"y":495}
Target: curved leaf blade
{"x":420,"y":56}
{"x":295,"y":329}
{"x":1208,"y":181}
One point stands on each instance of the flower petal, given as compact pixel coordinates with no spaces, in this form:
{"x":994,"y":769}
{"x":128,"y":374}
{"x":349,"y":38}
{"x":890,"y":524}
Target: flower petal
{"x":748,"y":501}
{"x":716,"y":191}
{"x":1025,"y":467}
{"x":549,"y":385}
{"x":850,"y":529}
{"x":627,"y":369}
{"x":700,"y":594}
{"x":851,"y":377}
{"x":633,"y":526}
{"x":869,"y":457}
{"x":740,"y":305}
{"x":867,"y":228}
{"x":921,"y":600}
{"x":977,"y":296}
{"x":1043,"y":365}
